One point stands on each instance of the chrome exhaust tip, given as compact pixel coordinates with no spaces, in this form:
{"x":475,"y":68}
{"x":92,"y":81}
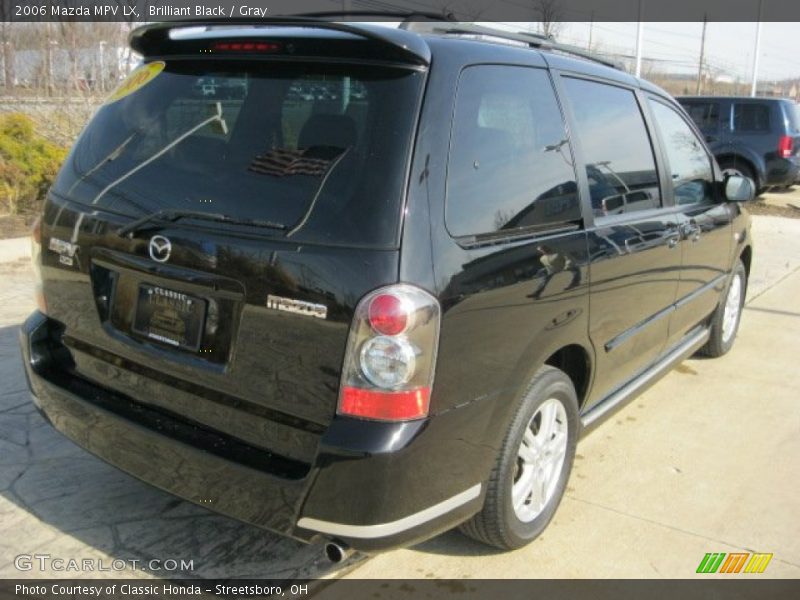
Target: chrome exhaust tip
{"x":337,"y":553}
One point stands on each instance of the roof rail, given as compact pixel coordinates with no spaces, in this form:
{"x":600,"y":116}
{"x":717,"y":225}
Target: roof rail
{"x":155,"y":37}
{"x":531,"y":39}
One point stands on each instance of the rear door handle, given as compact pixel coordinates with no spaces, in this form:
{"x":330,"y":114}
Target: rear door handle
{"x":691,"y":231}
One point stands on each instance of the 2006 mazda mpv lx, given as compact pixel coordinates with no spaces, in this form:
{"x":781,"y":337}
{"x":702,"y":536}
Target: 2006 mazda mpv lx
{"x":364,"y":284}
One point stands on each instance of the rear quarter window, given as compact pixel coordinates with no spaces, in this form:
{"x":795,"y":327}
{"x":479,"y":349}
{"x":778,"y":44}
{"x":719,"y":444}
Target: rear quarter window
{"x":751,"y":117}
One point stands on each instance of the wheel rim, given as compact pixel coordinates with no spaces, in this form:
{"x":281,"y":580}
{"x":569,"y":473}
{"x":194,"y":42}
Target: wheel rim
{"x":732,"y":171}
{"x":733,"y":304}
{"x":540,"y":460}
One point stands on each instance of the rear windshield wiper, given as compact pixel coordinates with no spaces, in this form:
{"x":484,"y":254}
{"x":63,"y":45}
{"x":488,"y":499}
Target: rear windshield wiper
{"x":169,"y":216}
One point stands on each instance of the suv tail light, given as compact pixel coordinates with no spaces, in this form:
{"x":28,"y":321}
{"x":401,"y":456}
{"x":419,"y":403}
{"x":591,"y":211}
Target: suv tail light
{"x":785,"y":146}
{"x":391,"y":355}
{"x":36,"y":262}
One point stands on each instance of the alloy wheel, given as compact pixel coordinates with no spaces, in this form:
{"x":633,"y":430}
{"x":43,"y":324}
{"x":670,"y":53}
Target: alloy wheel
{"x":540,"y":460}
{"x":733,"y":305}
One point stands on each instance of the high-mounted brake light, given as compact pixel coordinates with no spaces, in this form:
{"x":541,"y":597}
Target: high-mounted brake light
{"x":785,"y":146}
{"x":246,"y":47}
{"x":391,"y":355}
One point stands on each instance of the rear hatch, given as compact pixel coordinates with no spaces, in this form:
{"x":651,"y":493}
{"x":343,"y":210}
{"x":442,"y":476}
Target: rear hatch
{"x":209,"y":235}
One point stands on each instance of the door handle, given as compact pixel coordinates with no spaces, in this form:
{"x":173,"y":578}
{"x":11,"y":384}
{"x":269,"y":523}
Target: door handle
{"x":691,"y":231}
{"x":643,"y":240}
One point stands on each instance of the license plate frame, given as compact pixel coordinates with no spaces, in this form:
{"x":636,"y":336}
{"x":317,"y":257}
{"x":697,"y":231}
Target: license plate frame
{"x":180,"y":317}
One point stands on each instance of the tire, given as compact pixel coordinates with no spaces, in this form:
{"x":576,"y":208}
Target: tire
{"x":723,"y":333}
{"x":740,"y":167}
{"x":499,"y":524}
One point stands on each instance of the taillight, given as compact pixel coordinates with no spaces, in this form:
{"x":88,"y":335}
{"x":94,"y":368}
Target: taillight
{"x":387,"y":314}
{"x":785,"y":146}
{"x":391,"y":355}
{"x":36,"y":231}
{"x":36,"y":262}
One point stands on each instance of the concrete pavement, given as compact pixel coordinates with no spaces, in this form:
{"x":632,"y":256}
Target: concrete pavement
{"x":788,"y":197}
{"x":702,"y":462}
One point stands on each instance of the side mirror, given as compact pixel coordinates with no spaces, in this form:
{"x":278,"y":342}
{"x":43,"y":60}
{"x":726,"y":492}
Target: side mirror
{"x":739,"y":189}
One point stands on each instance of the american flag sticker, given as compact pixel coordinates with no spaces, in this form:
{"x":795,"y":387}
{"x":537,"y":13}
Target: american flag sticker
{"x":283,"y":162}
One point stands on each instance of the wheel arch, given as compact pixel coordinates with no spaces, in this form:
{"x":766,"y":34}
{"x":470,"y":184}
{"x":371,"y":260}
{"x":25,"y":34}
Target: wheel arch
{"x":572,"y":355}
{"x":746,"y":256}
{"x":575,"y":361}
{"x":753,"y":164}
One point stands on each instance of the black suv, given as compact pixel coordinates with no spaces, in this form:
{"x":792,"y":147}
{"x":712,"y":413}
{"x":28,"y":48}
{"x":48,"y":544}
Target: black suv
{"x":374,"y":283}
{"x":758,"y":138}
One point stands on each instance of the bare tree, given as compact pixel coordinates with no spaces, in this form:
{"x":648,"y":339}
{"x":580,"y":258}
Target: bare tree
{"x":7,"y":47}
{"x":550,"y":13}
{"x":460,"y":11}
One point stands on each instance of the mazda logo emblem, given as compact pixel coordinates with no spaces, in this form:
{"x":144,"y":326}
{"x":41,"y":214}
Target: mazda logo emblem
{"x":160,"y":248}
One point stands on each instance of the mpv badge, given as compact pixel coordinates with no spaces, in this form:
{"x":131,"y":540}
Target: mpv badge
{"x":160,"y":248}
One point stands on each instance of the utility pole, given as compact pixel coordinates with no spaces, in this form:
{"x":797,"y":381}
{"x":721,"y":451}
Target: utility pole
{"x":754,"y":86}
{"x":639,"y":33}
{"x":101,"y":76}
{"x":48,"y":60}
{"x":591,"y":28}
{"x":702,"y":56}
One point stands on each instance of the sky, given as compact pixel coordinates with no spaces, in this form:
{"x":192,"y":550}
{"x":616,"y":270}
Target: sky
{"x":729,"y":47}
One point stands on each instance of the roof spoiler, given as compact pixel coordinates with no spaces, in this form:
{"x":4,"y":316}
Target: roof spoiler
{"x":154,"y":39}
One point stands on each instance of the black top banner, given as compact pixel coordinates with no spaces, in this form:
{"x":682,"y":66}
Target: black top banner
{"x":395,"y":10}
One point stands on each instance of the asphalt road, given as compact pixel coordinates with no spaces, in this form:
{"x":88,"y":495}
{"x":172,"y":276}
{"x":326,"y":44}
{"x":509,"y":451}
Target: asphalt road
{"x":705,"y":461}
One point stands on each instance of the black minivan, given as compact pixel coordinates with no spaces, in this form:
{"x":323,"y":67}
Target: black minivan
{"x":362,"y":284}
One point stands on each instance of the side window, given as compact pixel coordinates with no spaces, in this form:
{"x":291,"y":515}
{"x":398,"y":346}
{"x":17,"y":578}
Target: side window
{"x":510,"y":165}
{"x":751,"y":117}
{"x":705,"y":115}
{"x":689,"y":165}
{"x":619,"y":158}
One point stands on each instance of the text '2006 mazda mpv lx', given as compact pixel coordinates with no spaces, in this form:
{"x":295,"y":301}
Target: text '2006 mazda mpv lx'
{"x":363,"y":284}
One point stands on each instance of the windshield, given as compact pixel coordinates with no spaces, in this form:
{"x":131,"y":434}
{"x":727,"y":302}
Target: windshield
{"x":321,"y":150}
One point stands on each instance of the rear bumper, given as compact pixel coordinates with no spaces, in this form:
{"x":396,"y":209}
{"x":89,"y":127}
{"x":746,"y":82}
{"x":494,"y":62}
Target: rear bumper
{"x":373,"y":486}
{"x":785,"y":171}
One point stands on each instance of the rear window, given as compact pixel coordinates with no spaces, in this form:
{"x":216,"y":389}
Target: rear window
{"x":320,"y":149}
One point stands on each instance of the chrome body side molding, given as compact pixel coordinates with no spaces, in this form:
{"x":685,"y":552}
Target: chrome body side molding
{"x":688,"y":346}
